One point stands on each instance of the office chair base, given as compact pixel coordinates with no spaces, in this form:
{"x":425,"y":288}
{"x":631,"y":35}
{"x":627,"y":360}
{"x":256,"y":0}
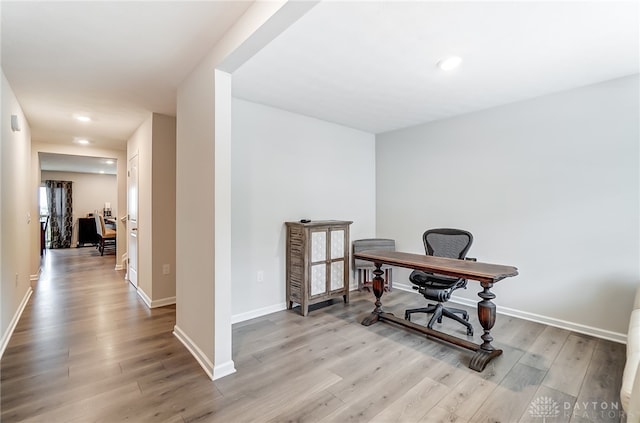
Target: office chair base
{"x":438,"y":311}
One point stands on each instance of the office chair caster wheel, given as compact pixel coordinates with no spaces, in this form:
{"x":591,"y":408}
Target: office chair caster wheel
{"x":469,"y":332}
{"x":465,"y":316}
{"x":440,"y":320}
{"x":407,"y":317}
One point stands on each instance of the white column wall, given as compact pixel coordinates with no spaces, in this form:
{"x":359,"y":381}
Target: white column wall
{"x":197,"y":182}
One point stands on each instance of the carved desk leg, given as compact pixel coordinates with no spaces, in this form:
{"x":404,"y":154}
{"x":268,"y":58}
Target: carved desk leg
{"x":487,"y":317}
{"x":378,"y":289}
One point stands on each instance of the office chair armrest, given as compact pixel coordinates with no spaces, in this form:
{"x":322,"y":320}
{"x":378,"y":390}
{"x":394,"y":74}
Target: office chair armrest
{"x":471,"y":258}
{"x":440,"y":295}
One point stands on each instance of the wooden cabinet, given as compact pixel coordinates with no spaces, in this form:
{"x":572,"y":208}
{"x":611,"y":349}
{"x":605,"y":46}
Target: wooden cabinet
{"x":87,"y":233}
{"x":317,"y":262}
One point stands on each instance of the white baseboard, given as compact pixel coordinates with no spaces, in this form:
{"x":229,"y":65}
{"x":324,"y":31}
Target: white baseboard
{"x":550,"y":321}
{"x":14,"y":322}
{"x":144,"y":297}
{"x":162,"y":302}
{"x":196,"y":352}
{"x":123,"y":262}
{"x":224,"y":369}
{"x":155,"y":303}
{"x":237,"y":318}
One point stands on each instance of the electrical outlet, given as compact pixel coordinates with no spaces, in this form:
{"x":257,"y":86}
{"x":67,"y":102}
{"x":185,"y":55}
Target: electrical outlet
{"x":166,"y":269}
{"x":260,"y":276}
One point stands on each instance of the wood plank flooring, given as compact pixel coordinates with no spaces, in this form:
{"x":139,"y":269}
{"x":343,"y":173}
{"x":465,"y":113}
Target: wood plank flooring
{"x":88,"y":350}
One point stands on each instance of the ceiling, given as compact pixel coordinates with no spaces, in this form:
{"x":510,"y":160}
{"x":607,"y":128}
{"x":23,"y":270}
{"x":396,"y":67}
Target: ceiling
{"x":113,"y":61}
{"x":372,"y":65}
{"x":366,"y":65}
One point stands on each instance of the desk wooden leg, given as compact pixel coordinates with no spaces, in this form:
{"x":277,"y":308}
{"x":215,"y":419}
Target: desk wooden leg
{"x":487,"y":317}
{"x":378,"y":290}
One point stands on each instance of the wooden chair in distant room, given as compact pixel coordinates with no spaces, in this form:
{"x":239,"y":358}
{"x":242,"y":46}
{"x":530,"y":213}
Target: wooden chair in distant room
{"x":106,"y":237}
{"x":44,"y":224}
{"x":365,"y":268}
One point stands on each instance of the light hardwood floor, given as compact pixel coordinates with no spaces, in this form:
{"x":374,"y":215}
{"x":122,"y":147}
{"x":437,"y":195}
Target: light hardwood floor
{"x":88,"y":350}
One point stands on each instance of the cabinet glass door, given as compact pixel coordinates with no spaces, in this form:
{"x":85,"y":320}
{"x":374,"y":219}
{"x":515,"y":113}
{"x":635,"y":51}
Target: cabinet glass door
{"x":337,"y":252}
{"x":318,"y":262}
{"x":318,"y":279}
{"x":318,"y":246}
{"x":337,"y":244}
{"x":337,"y":275}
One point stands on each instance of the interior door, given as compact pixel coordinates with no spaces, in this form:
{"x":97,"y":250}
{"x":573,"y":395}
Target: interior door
{"x":132,"y":224}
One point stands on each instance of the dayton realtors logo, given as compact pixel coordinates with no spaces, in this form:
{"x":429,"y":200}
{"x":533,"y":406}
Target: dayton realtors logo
{"x":547,"y":408}
{"x":544,"y":407}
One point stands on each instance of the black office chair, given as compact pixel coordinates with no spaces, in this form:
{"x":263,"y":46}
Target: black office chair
{"x":448,"y":243}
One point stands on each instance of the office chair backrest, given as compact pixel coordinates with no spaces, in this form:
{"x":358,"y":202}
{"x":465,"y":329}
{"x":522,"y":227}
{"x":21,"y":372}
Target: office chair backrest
{"x":448,"y":243}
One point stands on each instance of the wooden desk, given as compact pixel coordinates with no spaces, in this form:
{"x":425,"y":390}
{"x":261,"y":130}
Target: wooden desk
{"x":486,"y":274}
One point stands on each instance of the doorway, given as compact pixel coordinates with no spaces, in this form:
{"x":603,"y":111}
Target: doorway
{"x":91,"y":188}
{"x":132,"y":225}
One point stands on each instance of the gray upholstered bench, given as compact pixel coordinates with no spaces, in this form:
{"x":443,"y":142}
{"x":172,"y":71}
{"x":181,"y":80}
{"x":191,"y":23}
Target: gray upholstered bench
{"x":365,"y":268}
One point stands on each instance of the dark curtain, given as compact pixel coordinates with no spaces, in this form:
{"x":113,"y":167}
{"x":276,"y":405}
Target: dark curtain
{"x":59,"y":195}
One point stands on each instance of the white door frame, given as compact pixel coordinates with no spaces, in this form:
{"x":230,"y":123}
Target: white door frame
{"x":132,"y":219}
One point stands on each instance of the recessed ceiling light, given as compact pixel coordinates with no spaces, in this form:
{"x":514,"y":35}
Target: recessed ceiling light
{"x":109,"y":162}
{"x":83,"y":118}
{"x":102,"y":171}
{"x":449,"y":63}
{"x":83,"y":141}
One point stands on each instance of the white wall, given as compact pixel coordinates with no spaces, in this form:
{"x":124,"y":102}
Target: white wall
{"x":194,"y":215}
{"x":285,"y":167}
{"x":15,"y":214}
{"x":202,"y":236}
{"x":155,"y":144}
{"x":164,"y":208}
{"x":90,"y":192}
{"x":548,"y":185}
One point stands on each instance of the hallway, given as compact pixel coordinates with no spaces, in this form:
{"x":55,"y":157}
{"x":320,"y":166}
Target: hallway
{"x":88,"y":349}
